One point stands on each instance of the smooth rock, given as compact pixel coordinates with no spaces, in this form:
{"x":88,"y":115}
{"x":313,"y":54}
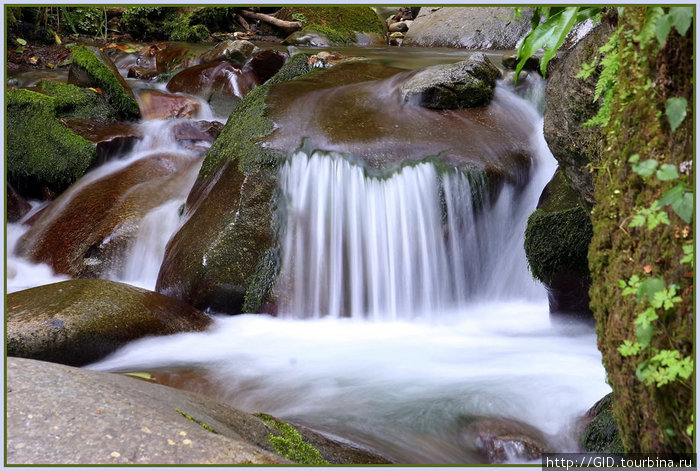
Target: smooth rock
{"x":466,"y":84}
{"x":197,"y":131}
{"x":206,"y":80}
{"x":502,"y":440}
{"x":266,"y":64}
{"x":307,"y":39}
{"x":159,"y":105}
{"x":112,"y":138}
{"x":173,"y":57}
{"x":80,"y":321}
{"x":398,"y":27}
{"x":474,"y":28}
{"x":237,"y":52}
{"x":142,"y":73}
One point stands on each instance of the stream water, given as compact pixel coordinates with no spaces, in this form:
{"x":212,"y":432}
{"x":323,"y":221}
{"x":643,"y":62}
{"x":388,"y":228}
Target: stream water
{"x":412,"y":315}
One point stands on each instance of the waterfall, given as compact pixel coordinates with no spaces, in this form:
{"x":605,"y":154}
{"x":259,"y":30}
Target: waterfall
{"x":418,"y":242}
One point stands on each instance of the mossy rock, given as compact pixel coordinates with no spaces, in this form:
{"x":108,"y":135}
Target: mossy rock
{"x":42,"y":152}
{"x":224,"y":255}
{"x":102,"y":73}
{"x":601,"y":435}
{"x":77,"y":322}
{"x":75,"y":102}
{"x":340,"y":25}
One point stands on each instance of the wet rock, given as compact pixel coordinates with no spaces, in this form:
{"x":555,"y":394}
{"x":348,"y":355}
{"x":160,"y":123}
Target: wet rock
{"x":90,"y":69}
{"x":502,"y":440}
{"x":142,"y":73}
{"x":307,"y":39}
{"x":510,"y":62}
{"x":112,"y":138}
{"x":556,"y":246}
{"x":267,"y":63}
{"x":600,"y":432}
{"x":77,"y":322}
{"x":337,"y":452}
{"x":147,"y":57}
{"x":214,"y":259}
{"x":197,"y":131}
{"x":173,"y":57}
{"x":569,"y":105}
{"x":466,"y":84}
{"x":17,"y":206}
{"x":468,"y":27}
{"x":159,"y":105}
{"x":398,"y":27}
{"x":102,"y":418}
{"x":206,"y":80}
{"x":86,"y":231}
{"x":43,"y":156}
{"x":236,"y":52}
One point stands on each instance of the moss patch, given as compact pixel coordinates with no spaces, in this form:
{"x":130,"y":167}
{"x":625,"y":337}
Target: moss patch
{"x":338,"y":24}
{"x":204,"y":425}
{"x":602,"y":434}
{"x":117,"y":94}
{"x":75,"y":102}
{"x":290,"y":444}
{"x":650,"y":418}
{"x":262,"y":281}
{"x":42,"y":152}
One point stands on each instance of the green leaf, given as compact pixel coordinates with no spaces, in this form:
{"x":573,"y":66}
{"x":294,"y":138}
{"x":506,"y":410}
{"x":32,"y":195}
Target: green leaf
{"x":674,"y":194}
{"x":21,"y":42}
{"x":650,"y":287}
{"x":634,"y":158}
{"x":656,"y":218}
{"x":551,"y":34}
{"x":676,"y":111}
{"x":667,"y":172}
{"x":19,"y":50}
{"x":628,"y":349}
{"x":663,"y":28}
{"x":689,"y":255}
{"x":646,"y":168}
{"x":684,"y":207}
{"x":638,"y":220}
{"x":644,"y":334}
{"x":140,"y":375}
{"x":681,"y":17}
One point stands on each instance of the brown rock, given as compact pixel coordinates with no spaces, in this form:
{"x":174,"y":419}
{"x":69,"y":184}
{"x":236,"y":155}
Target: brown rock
{"x":214,"y":78}
{"x":111,"y":137}
{"x":173,"y":57}
{"x":159,"y":105}
{"x":197,"y":131}
{"x":265,"y":64}
{"x":142,"y":73}
{"x":17,"y":206}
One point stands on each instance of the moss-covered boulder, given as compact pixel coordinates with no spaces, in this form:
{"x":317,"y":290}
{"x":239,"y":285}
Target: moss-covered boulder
{"x":88,"y":229}
{"x":556,"y":246}
{"x":601,"y":434}
{"x":338,"y":25}
{"x":465,"y":84}
{"x":41,"y":152}
{"x":218,"y":253}
{"x":89,"y":70}
{"x":569,"y":105}
{"x":80,"y":321}
{"x":475,"y":28}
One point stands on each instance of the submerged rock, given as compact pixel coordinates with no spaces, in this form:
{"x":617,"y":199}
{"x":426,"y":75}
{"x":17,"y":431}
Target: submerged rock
{"x":173,"y":57}
{"x":556,"y":246}
{"x":475,"y":28}
{"x":466,"y":84}
{"x":214,"y":78}
{"x":503,"y":440}
{"x":142,"y":73}
{"x":159,"y":105}
{"x":77,"y":322}
{"x":86,"y":231}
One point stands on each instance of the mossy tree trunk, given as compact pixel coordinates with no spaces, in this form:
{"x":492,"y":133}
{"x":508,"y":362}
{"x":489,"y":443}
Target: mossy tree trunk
{"x":651,"y":418}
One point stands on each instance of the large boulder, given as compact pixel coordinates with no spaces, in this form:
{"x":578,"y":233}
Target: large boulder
{"x":468,"y":27}
{"x":86,"y":231}
{"x":465,"y":84}
{"x":78,"y":322}
{"x":600,"y":433}
{"x":212,"y":262}
{"x":336,"y":25}
{"x":556,"y":246}
{"x":569,"y":105}
{"x":90,"y":70}
{"x":60,"y":414}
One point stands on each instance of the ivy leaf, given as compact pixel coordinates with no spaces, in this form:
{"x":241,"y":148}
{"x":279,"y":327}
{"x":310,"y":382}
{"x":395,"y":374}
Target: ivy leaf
{"x":667,"y":172}
{"x":684,"y":207}
{"x":674,"y":194}
{"x":676,"y":111}
{"x":646,"y":168}
{"x":663,"y":28}
{"x":681,"y":17}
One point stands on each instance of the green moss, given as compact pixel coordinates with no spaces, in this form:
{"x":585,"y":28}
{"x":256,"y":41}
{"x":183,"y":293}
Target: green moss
{"x":644,"y":414}
{"x":204,"y":425}
{"x":144,"y":22}
{"x":557,"y":241}
{"x":240,"y":142}
{"x":86,"y":20}
{"x":602,"y":434}
{"x":261,"y":282}
{"x":338,"y":24}
{"x":290,"y":444}
{"x":40,"y":150}
{"x":75,"y":102}
{"x":104,"y":78}
{"x":181,"y":28}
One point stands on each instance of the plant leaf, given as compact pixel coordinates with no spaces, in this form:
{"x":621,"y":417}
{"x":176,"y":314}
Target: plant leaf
{"x":676,"y":111}
{"x":649,"y":287}
{"x":667,"y":172}
{"x":21,"y":42}
{"x":663,"y":28}
{"x":673,"y":195}
{"x":567,"y":20}
{"x":644,"y":333}
{"x":684,"y":207}
{"x":646,"y":168}
{"x":681,"y":17}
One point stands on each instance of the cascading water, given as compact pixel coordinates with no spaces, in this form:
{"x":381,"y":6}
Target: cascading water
{"x":410,"y":320}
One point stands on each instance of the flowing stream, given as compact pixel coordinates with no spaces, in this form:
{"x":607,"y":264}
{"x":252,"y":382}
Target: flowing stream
{"x":411,"y":315}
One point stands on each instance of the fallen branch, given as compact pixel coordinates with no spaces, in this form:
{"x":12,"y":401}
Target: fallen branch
{"x":287,"y":26}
